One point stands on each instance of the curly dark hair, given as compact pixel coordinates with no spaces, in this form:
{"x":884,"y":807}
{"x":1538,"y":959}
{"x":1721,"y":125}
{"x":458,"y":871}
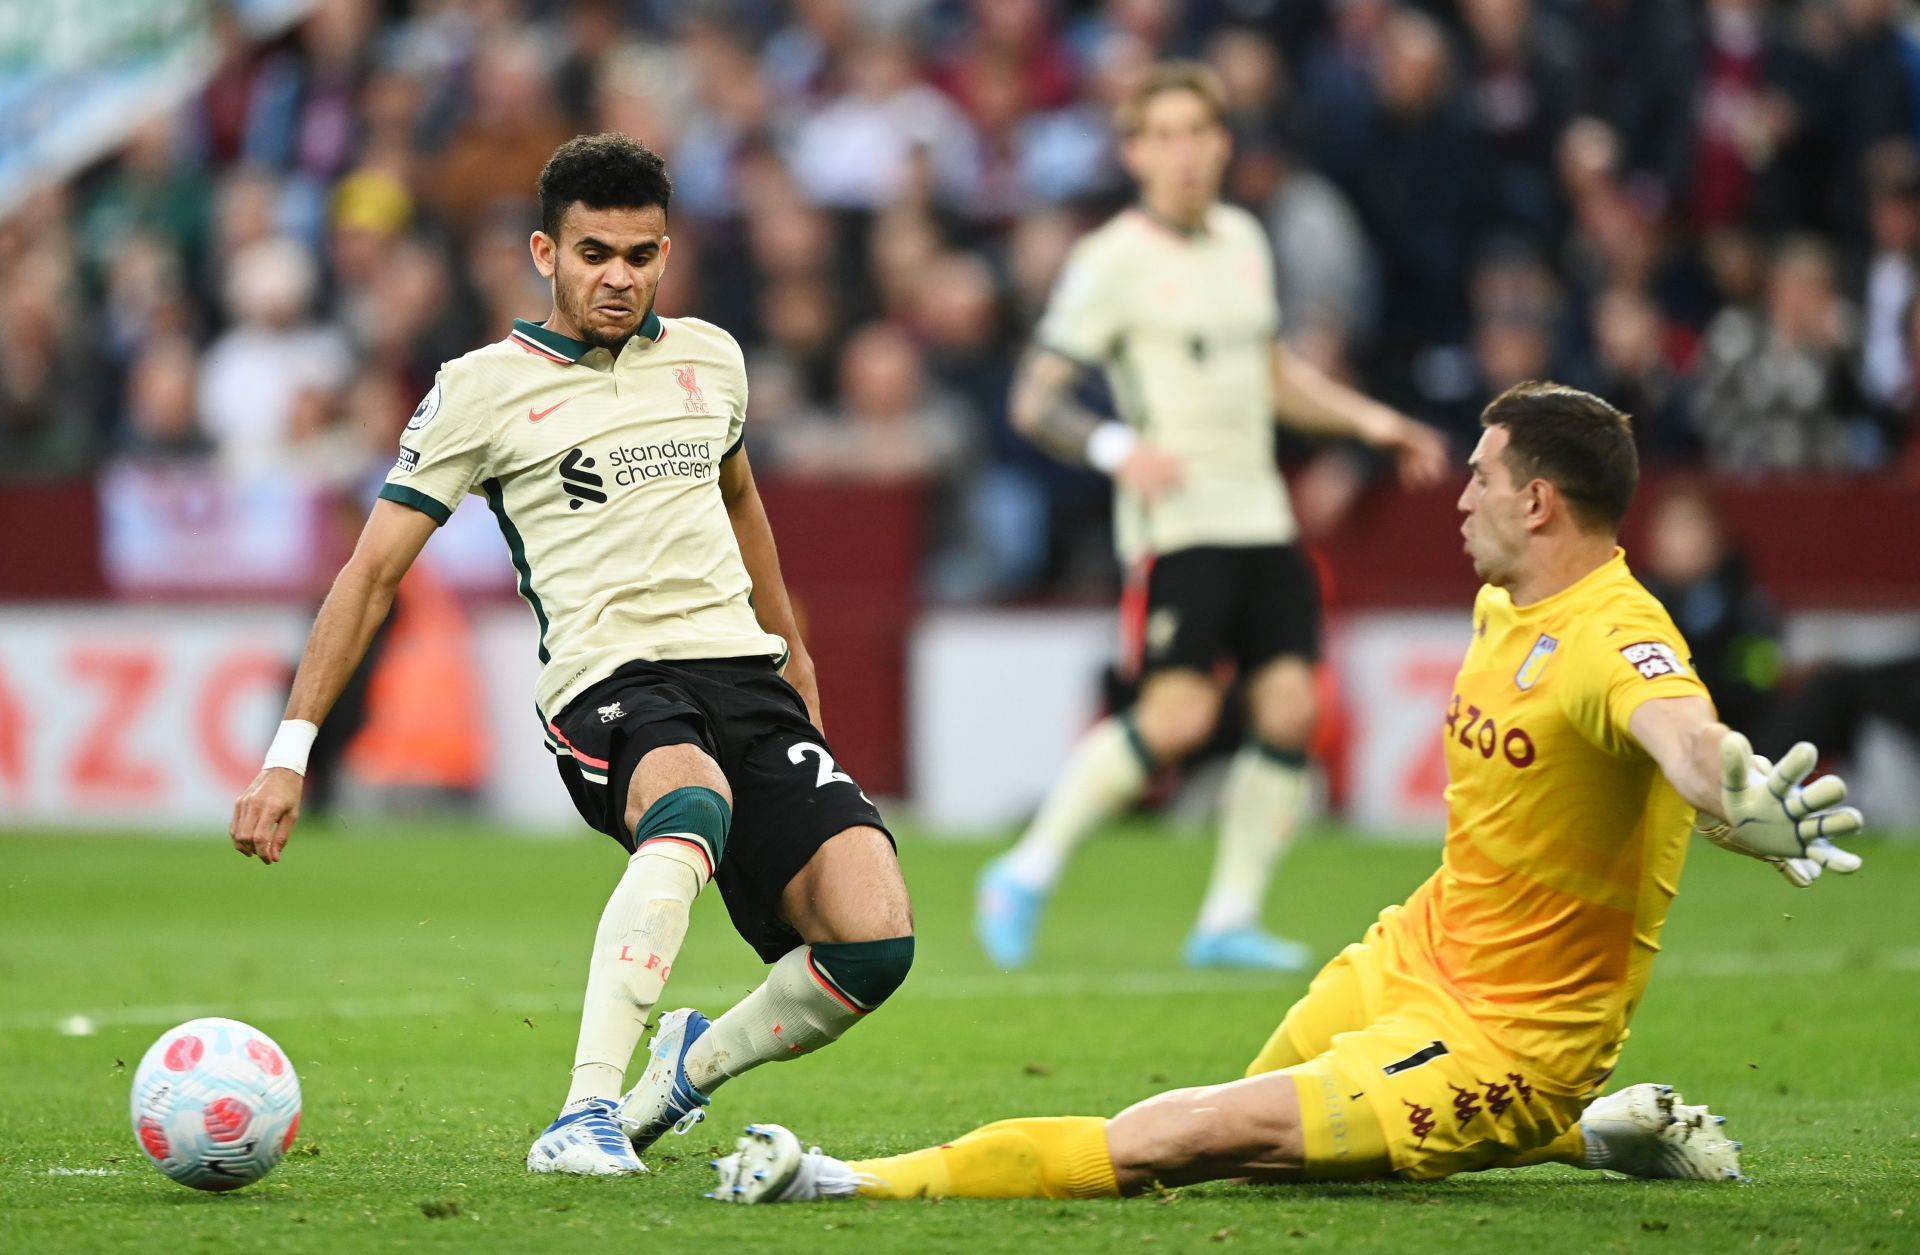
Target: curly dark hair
{"x":606,"y":171}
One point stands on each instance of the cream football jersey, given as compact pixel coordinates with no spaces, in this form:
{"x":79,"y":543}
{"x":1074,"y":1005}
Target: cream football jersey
{"x":603,"y":471}
{"x":1183,"y":325}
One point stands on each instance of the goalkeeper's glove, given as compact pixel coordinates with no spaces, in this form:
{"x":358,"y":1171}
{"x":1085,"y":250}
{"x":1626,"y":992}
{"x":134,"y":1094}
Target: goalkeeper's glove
{"x":1772,"y":816}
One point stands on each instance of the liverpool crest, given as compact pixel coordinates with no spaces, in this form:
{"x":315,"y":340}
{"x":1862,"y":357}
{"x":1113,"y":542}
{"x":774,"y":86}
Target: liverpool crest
{"x":696,"y":400}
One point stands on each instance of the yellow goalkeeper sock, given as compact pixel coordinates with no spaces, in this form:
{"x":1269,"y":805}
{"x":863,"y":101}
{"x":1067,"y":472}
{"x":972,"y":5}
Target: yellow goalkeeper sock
{"x":1045,"y":1157}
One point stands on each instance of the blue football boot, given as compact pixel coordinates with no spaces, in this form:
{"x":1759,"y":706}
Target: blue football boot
{"x":586,"y":1140}
{"x":1006,"y":915}
{"x":665,"y":1099}
{"x":1248,"y":948}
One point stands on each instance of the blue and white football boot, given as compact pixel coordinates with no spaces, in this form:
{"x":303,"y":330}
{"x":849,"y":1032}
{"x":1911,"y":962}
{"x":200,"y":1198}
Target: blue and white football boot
{"x":665,"y":1099}
{"x":1006,"y":914}
{"x":587,"y":1141}
{"x":1247,"y":948}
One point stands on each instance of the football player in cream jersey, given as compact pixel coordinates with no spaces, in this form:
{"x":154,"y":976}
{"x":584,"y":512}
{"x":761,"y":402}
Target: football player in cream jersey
{"x":1174,"y":301}
{"x":675,"y":693}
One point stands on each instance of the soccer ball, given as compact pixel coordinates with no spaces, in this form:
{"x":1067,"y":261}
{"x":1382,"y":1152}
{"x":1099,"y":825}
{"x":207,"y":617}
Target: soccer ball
{"x":215,"y":1104}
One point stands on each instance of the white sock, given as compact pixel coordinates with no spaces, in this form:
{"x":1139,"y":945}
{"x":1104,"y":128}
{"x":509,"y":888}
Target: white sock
{"x":633,"y":951}
{"x":1105,"y":773}
{"x":1259,"y":810}
{"x":823,"y":1176}
{"x":792,"y":1013}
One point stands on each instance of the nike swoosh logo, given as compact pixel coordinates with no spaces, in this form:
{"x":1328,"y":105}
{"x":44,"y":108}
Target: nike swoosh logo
{"x":534,"y":416}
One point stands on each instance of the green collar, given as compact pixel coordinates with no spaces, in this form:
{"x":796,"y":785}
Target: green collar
{"x":1185,"y":233}
{"x":540,"y":336}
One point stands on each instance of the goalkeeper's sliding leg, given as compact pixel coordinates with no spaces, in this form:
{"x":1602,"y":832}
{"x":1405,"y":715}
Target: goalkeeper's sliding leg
{"x":1277,"y":1127}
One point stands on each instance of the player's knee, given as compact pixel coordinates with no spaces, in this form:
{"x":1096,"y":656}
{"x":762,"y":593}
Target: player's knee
{"x":1174,"y":726}
{"x":1284,"y":716}
{"x":667,"y":768}
{"x":865,"y":972}
{"x":691,"y":815}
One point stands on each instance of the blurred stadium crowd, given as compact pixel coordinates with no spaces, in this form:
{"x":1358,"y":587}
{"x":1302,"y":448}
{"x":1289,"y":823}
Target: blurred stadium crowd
{"x":1708,"y":212}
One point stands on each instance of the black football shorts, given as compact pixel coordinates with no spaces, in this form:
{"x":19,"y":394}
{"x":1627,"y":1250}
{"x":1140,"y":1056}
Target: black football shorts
{"x":790,"y":795}
{"x":1199,"y":607}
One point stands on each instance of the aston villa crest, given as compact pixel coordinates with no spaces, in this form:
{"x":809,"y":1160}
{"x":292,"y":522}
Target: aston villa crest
{"x":1529,"y":673}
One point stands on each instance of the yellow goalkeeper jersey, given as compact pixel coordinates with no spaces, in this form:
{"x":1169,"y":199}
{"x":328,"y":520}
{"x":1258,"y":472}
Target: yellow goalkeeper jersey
{"x":1564,"y":839}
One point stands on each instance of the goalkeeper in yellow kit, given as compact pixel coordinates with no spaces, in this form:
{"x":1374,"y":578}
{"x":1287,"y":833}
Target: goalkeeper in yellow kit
{"x":1475,"y":1025}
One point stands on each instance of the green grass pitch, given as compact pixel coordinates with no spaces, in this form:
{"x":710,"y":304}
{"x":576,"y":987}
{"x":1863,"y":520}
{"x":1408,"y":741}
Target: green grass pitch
{"x":427,"y":982}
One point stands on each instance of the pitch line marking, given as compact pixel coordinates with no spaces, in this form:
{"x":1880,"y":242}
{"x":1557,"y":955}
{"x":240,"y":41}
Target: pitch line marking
{"x":984,"y":988}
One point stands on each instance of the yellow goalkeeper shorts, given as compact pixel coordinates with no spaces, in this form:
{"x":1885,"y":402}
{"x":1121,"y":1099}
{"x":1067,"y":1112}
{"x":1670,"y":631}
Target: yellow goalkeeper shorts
{"x":1413,"y":1089}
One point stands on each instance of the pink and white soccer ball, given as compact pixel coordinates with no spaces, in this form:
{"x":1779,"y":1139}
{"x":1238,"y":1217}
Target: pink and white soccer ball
{"x":215,"y":1104}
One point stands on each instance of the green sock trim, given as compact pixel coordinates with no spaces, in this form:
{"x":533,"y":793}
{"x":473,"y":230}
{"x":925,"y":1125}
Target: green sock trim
{"x":1285,"y":757}
{"x":1138,"y":744}
{"x":867,"y":972}
{"x":692,"y":811}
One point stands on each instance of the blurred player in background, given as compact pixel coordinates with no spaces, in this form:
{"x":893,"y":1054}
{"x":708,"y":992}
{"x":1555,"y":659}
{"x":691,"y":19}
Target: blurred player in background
{"x":1174,"y":300}
{"x":675,"y":694}
{"x":1474,"y":1025}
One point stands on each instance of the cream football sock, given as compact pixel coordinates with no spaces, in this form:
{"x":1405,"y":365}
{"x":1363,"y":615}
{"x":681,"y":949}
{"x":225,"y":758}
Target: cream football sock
{"x":1258,"y":814}
{"x":1108,"y":769}
{"x":811,"y":996}
{"x":633,"y":951}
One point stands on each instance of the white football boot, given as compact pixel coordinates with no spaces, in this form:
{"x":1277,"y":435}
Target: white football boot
{"x":768,"y":1166}
{"x":664,"y":1098}
{"x":1646,"y":1131}
{"x":587,"y":1141}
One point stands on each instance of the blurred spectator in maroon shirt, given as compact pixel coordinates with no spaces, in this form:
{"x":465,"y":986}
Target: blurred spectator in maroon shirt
{"x":1743,"y":114}
{"x":1007,"y":37}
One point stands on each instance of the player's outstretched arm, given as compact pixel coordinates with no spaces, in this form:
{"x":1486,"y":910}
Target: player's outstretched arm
{"x":1043,"y":409}
{"x":771,"y":605}
{"x":1745,"y":803}
{"x":361,"y":595}
{"x":1307,"y":400}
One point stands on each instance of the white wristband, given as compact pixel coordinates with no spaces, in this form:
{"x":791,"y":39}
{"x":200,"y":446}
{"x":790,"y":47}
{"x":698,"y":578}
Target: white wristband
{"x":291,"y":744}
{"x":1110,"y":445}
